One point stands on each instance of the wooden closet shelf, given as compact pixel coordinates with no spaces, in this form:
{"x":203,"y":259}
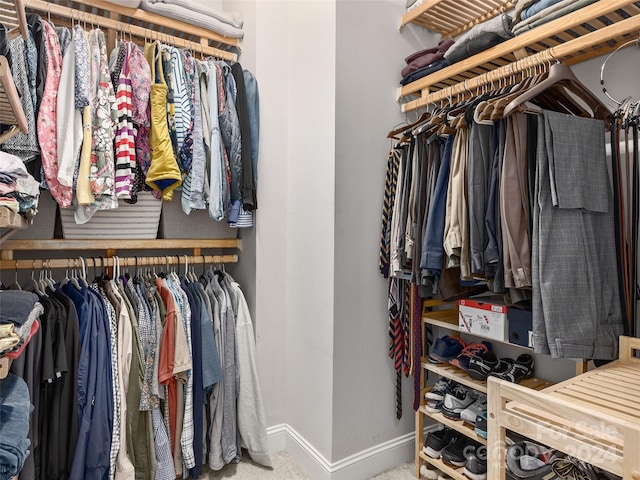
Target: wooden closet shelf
{"x":592,"y":31}
{"x":452,"y":17}
{"x":457,"y":473}
{"x":138,"y":24}
{"x":594,"y":416}
{"x":110,"y":245}
{"x":458,"y":375}
{"x":458,"y":425}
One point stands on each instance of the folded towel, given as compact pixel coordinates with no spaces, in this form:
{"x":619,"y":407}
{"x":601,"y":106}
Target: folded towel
{"x":230,"y":18}
{"x":189,"y":15}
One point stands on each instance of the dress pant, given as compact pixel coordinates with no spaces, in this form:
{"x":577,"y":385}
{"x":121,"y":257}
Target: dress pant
{"x":576,"y":306}
{"x":514,"y":205}
{"x":456,"y":238}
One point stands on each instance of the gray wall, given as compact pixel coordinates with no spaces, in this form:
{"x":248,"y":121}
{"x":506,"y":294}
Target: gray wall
{"x":369,"y":59}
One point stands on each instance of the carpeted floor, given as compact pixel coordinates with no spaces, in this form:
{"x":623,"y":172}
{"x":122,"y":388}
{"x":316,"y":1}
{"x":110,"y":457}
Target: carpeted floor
{"x":286,"y":468}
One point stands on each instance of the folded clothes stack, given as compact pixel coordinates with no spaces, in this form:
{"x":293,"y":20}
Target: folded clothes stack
{"x":19,"y":312}
{"x":15,"y":409}
{"x":195,"y":13}
{"x":529,"y":14}
{"x":480,"y":37}
{"x":425,"y":62}
{"x":19,"y":191}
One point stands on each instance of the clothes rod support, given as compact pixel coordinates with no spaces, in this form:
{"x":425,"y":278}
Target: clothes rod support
{"x":125,"y":262}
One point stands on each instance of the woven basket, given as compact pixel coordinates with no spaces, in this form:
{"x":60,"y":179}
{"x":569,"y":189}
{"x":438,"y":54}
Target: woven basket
{"x":137,"y":221}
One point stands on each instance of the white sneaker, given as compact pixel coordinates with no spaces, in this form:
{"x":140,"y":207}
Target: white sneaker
{"x":470,"y":413}
{"x":428,"y":474}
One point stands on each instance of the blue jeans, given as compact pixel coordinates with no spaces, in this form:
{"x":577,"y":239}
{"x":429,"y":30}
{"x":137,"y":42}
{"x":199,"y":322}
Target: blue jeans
{"x":15,"y":409}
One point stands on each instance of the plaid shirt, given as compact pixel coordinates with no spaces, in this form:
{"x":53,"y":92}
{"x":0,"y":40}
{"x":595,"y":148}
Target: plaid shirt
{"x":186,"y":439}
{"x":115,"y":432}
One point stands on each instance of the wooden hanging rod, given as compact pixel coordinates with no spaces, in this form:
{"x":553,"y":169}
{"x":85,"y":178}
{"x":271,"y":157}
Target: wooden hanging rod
{"x":559,"y":52}
{"x":125,"y":262}
{"x":127,"y":29}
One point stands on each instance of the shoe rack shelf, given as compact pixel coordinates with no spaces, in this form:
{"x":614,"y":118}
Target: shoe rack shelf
{"x":594,"y":417}
{"x":454,"y":472}
{"x":457,"y":425}
{"x":458,"y":375}
{"x":449,"y":319}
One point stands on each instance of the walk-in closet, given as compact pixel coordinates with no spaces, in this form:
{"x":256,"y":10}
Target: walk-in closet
{"x":319,"y":239}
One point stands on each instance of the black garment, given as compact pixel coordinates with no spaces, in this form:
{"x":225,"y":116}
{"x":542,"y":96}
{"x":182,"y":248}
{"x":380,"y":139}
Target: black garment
{"x":54,"y":461}
{"x":4,"y":44}
{"x":494,"y":263}
{"x":35,"y":22}
{"x":248,"y":188}
{"x":196,"y":363}
{"x":424,"y":71}
{"x":67,"y":386}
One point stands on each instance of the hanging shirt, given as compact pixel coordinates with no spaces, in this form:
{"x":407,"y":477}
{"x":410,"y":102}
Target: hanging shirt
{"x":216,"y":166}
{"x":24,"y":145}
{"x":104,"y":117}
{"x":125,"y":136}
{"x":95,"y":395}
{"x":181,"y":101}
{"x":47,"y":119}
{"x":197,"y":177}
{"x":171,"y":368}
{"x":68,"y":144}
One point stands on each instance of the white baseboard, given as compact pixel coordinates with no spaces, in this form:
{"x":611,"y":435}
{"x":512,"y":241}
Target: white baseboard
{"x":359,"y":466}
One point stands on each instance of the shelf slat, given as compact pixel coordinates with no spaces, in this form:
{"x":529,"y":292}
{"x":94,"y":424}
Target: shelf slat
{"x":459,"y":426}
{"x":453,"y":472}
{"x":449,"y":319}
{"x":452,"y":17}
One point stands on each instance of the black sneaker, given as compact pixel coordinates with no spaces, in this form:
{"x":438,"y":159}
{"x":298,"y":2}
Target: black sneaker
{"x":481,"y":366}
{"x":520,"y":369}
{"x":476,"y":466}
{"x":457,"y":400}
{"x":440,"y":389}
{"x":481,"y":425}
{"x":456,"y":453}
{"x":531,"y":461}
{"x":436,"y":441}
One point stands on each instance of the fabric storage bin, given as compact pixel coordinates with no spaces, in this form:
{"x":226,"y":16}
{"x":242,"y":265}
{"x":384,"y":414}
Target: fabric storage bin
{"x":43,"y":224}
{"x":137,"y":221}
{"x":177,"y":224}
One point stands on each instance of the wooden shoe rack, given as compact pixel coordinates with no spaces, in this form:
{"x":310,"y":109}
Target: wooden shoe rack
{"x":594,"y":417}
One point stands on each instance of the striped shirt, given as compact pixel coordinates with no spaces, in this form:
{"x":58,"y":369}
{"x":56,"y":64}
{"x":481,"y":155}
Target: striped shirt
{"x":125,"y":150}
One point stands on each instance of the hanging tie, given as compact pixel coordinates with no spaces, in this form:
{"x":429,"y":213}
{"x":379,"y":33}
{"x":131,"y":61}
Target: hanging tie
{"x":391,"y":180}
{"x":396,"y":341}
